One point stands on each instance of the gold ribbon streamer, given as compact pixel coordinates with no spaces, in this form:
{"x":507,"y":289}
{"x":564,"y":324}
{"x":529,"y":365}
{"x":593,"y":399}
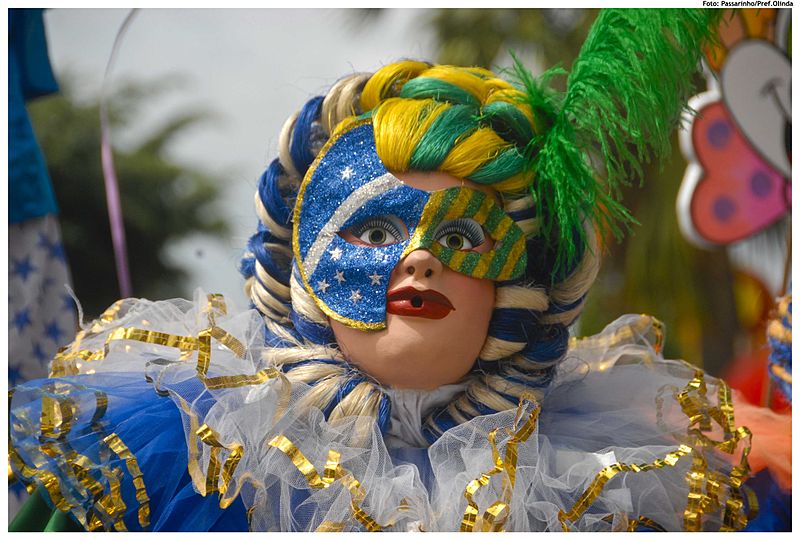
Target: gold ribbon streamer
{"x":55,"y":424}
{"x":219,"y":475}
{"x":652,"y":524}
{"x":116,"y":444}
{"x":330,"y":526}
{"x":65,"y":359}
{"x":626,"y":334}
{"x":496,"y":515}
{"x":64,"y":362}
{"x":705,"y":486}
{"x":216,"y":479}
{"x":56,"y":418}
{"x":609,"y":472}
{"x":333,"y":471}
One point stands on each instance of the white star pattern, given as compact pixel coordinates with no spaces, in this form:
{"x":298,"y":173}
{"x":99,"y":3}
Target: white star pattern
{"x":376,"y":278}
{"x":340,"y":277}
{"x":347,"y":173}
{"x":323,"y":285}
{"x":336,"y":253}
{"x":355,"y":296}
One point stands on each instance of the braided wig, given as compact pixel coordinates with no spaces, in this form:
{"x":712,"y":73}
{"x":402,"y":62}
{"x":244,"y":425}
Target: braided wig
{"x":465,"y":122}
{"x":556,"y":160}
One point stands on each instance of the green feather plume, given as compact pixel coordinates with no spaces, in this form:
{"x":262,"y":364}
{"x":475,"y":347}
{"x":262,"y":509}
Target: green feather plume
{"x":624,"y":97}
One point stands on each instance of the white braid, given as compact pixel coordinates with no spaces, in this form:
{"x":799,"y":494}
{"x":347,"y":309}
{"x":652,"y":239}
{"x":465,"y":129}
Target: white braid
{"x":284,"y":141}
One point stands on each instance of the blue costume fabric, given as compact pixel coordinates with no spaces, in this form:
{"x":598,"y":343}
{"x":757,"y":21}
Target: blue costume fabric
{"x":29,"y":76}
{"x":146,"y":428}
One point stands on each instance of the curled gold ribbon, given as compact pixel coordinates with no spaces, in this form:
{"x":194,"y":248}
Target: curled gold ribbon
{"x":625,"y":334}
{"x":107,"y":506}
{"x":705,"y":494}
{"x":333,"y":472}
{"x":609,"y":472}
{"x":58,"y":414}
{"x":217,"y":478}
{"x":496,"y":515}
{"x":116,"y":444}
{"x":202,"y":343}
{"x":219,"y":475}
{"x":644,"y":521}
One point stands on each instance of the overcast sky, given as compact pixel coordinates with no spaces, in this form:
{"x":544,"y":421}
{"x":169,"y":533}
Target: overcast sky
{"x":252,"y":68}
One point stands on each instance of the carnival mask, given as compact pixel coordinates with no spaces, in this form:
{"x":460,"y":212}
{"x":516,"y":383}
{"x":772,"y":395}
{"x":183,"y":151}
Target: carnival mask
{"x":348,"y":190}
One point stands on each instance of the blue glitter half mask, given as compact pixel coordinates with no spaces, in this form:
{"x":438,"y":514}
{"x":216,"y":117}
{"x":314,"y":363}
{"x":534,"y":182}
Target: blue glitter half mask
{"x":348,"y":185}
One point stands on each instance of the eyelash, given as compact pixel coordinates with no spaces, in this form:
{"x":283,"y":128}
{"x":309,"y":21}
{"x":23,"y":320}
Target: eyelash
{"x":466,"y":227}
{"x":379,"y":222}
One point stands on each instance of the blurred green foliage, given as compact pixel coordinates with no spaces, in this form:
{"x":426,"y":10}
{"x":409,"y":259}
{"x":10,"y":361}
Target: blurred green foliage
{"x":162,"y":201}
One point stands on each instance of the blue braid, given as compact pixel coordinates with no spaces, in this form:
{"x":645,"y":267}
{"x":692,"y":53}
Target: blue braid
{"x":512,"y":324}
{"x":523,"y":214}
{"x":384,"y":413}
{"x":264,"y":256}
{"x":540,"y":268}
{"x":300,"y":147}
{"x":348,"y":387}
{"x":319,"y":334}
{"x":269,"y":192}
{"x":551,"y":344}
{"x":247,"y":266}
{"x":539,"y":378}
{"x":443,"y":421}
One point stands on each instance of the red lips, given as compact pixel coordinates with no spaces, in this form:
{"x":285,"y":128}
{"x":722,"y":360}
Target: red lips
{"x":427,"y":303}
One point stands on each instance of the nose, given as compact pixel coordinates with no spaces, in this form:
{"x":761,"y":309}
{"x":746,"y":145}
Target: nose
{"x":421,"y":264}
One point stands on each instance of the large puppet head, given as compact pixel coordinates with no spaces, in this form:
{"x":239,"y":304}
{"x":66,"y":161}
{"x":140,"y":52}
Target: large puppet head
{"x":433,"y":216}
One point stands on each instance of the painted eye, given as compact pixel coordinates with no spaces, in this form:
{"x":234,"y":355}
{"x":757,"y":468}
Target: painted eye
{"x":460,"y":234}
{"x":378,"y":231}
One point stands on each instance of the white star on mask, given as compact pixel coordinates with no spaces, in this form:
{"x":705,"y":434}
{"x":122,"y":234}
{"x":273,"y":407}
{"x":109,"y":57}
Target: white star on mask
{"x":355,"y":296}
{"x":336,"y":253}
{"x":339,"y":277}
{"x":347,"y":173}
{"x":323,"y":285}
{"x":376,"y":278}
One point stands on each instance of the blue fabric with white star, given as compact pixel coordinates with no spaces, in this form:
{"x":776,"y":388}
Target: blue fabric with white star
{"x":351,"y":281}
{"x":41,"y":313}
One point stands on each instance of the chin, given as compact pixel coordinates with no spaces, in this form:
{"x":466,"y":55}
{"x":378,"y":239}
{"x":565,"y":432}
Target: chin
{"x":403,"y":354}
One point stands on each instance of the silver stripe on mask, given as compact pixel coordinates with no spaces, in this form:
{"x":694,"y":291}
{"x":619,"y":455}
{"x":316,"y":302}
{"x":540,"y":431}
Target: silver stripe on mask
{"x":349,"y":206}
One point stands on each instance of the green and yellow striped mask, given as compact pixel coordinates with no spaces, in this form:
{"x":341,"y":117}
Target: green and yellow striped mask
{"x":446,"y":211}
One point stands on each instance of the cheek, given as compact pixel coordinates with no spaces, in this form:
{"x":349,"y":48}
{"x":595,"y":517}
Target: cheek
{"x":470,"y":295}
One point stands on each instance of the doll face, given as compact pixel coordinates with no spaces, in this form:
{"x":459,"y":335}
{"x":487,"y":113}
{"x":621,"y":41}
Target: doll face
{"x":437,"y":318}
{"x":402,"y":265}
